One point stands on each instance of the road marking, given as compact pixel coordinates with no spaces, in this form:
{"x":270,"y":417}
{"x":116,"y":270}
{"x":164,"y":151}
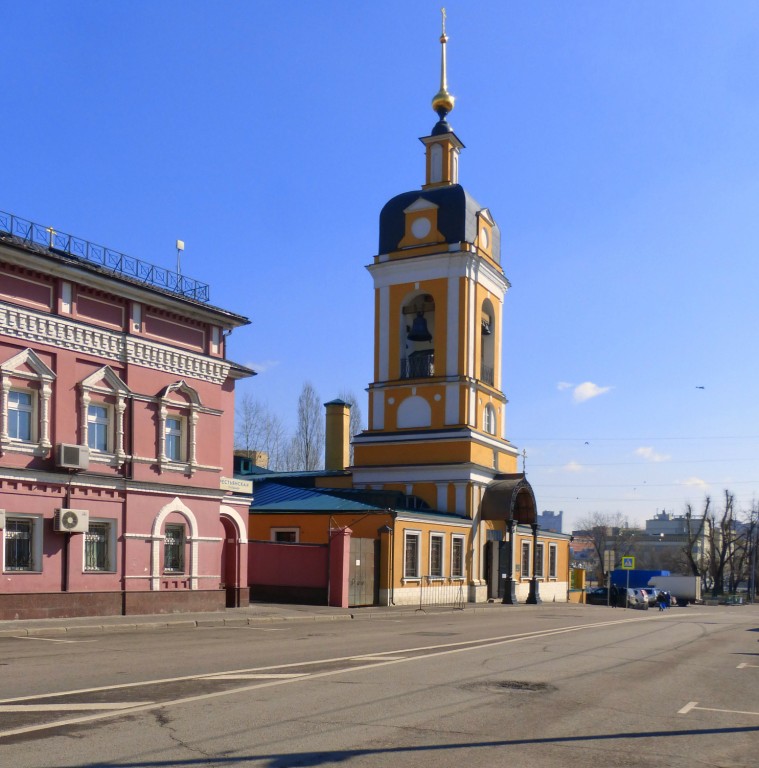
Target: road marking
{"x":461,"y":645}
{"x":377,"y":657}
{"x":377,"y":660}
{"x":51,"y":639}
{"x":745,"y":664}
{"x":82,"y":707}
{"x":255,"y":676}
{"x":691,"y":705}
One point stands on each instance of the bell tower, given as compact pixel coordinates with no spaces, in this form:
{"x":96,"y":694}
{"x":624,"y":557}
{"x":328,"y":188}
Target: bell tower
{"x":437,"y":412}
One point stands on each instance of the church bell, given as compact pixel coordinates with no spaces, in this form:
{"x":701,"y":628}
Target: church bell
{"x":419,"y":330}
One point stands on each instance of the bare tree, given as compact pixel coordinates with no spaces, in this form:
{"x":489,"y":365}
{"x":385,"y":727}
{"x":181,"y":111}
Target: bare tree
{"x":305,"y":450}
{"x":609,"y":532}
{"x":721,"y":543}
{"x":693,"y":552}
{"x":356,"y":421}
{"x":258,"y":429}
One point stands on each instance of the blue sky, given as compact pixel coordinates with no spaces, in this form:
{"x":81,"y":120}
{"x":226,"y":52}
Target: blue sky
{"x":615,"y":143}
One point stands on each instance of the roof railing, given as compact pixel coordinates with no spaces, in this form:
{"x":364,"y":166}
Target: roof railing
{"x":117,"y":263}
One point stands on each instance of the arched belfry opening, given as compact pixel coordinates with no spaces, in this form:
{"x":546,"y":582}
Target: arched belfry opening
{"x":418,"y":336}
{"x":488,"y":342}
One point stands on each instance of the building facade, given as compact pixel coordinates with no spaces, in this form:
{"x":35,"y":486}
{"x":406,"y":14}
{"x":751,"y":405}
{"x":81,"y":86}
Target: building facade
{"x":116,"y":434}
{"x":437,"y":408}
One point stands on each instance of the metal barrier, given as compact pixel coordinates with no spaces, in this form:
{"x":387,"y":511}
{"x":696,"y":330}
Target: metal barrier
{"x":435,"y":592}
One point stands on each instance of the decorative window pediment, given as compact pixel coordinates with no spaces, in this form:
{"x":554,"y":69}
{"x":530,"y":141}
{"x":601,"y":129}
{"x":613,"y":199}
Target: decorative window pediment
{"x":26,"y":364}
{"x":105,"y":379}
{"x":101,"y":421}
{"x":177,"y":426}
{"x":183,"y":389}
{"x":25,"y":392}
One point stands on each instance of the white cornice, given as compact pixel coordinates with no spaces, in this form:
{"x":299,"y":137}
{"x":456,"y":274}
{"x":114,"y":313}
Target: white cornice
{"x":434,"y":266}
{"x":443,"y":436}
{"x":114,"y":484}
{"x":40,"y":328}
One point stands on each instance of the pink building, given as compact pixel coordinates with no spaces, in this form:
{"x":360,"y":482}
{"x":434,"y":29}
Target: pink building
{"x":116,"y":435}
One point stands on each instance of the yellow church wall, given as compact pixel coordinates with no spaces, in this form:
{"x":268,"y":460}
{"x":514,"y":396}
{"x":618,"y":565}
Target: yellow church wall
{"x":425,"y":529}
{"x":314,"y":528}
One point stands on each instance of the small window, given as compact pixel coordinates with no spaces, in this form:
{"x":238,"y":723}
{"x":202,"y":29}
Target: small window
{"x":174,"y":439}
{"x":19,"y":544}
{"x":436,"y":556}
{"x":539,"y":555}
{"x":98,"y":423}
{"x":98,"y":547}
{"x":457,"y":557}
{"x":488,"y":419}
{"x":285,"y":535}
{"x":20,"y":415}
{"x":411,"y":556}
{"x":173,"y":549}
{"x":552,"y":555}
{"x":526,"y":560}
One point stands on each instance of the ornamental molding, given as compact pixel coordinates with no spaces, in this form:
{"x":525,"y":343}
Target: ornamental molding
{"x":40,"y":328}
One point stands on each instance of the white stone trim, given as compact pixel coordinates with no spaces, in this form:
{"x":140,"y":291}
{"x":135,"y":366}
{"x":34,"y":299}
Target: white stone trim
{"x":157,"y":538}
{"x":41,"y":328}
{"x":445,"y":265}
{"x":452,"y":330}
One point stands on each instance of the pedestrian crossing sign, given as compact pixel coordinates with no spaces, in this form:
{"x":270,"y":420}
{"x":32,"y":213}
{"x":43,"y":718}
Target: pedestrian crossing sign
{"x":628,"y":563}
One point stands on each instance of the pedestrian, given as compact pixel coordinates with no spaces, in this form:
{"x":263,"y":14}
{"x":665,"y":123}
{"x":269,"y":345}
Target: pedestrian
{"x":614,"y":596}
{"x":662,"y":598}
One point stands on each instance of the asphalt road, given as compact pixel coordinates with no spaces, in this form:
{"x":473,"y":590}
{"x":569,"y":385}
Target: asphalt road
{"x":534,"y":686}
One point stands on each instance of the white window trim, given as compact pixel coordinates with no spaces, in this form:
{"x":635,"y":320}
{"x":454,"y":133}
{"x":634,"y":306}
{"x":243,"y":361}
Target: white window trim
{"x":108,"y":426}
{"x":100,"y":388}
{"x":37,"y":531}
{"x":26,"y":372}
{"x":528,"y":545}
{"x":540,"y":556}
{"x":553,"y":561}
{"x":188,"y":411}
{"x":111,"y":544}
{"x":31,"y":410}
{"x":274,"y":531}
{"x":441,"y":537}
{"x":462,"y":539}
{"x":418,"y":536}
{"x":489,"y":419}
{"x":179,"y":433}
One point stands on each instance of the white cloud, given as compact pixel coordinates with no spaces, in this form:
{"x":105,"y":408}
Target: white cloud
{"x":649,"y":454}
{"x":588,"y":390}
{"x":573,"y":466}
{"x":562,"y":385}
{"x":696,"y":482}
{"x":264,"y":365}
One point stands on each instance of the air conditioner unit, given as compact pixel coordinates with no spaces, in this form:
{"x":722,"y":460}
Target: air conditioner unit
{"x":72,"y":456}
{"x":2,"y":519}
{"x":71,"y":520}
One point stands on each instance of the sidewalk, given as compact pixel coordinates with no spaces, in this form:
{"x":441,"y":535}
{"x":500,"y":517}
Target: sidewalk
{"x":255,"y":613}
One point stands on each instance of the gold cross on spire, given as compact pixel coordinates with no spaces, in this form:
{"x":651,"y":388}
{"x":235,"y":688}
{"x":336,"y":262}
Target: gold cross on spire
{"x":443,"y":101}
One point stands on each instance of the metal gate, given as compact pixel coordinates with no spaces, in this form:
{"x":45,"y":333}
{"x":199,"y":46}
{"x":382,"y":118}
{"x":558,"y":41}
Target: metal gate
{"x":362,"y":572}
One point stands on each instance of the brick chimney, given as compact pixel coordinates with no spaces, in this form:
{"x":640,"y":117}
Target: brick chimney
{"x":337,"y":435}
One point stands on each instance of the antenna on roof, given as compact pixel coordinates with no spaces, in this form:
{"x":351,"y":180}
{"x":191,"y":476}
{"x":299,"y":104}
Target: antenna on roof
{"x":180,"y":248}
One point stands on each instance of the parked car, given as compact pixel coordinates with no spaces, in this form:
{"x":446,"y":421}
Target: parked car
{"x":597,"y":596}
{"x":637,"y":598}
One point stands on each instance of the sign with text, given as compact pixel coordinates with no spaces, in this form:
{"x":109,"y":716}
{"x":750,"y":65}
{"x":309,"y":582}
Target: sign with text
{"x":235,"y":485}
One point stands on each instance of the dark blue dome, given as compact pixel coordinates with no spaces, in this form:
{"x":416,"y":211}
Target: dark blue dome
{"x":456,"y":219}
